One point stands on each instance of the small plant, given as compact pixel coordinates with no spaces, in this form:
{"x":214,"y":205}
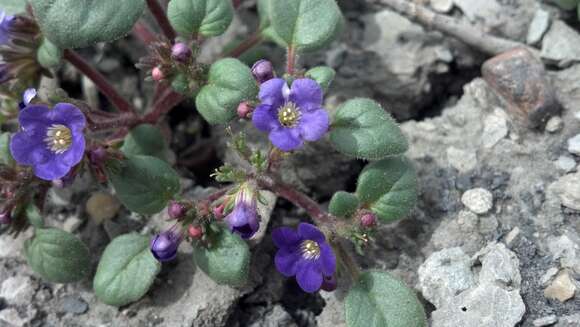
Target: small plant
{"x":59,"y":138}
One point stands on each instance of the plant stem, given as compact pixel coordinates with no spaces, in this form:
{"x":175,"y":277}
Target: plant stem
{"x":246,"y":45}
{"x":347,"y":260}
{"x":168,"y":101}
{"x":159,"y":13}
{"x":115,"y":122}
{"x":143,"y":33}
{"x":291,"y":61}
{"x":100,"y":81}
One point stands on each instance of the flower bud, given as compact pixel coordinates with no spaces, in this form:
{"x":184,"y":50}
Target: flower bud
{"x":5,"y":217}
{"x":176,"y":210}
{"x":181,"y":52}
{"x":244,"y":219}
{"x":98,"y":156}
{"x":157,"y":74}
{"x":164,"y":245}
{"x":27,"y":97}
{"x":368,"y":219}
{"x":218,"y":211}
{"x":244,"y":109}
{"x":263,"y":71}
{"x":195,"y":232}
{"x":329,"y":283}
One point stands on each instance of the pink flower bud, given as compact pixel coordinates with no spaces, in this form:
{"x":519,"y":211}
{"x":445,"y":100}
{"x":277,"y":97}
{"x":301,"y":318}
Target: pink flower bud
{"x":218,"y":211}
{"x":176,"y":210}
{"x":368,"y":220}
{"x":195,"y":232}
{"x":181,"y":52}
{"x":244,"y":109}
{"x":157,"y":74}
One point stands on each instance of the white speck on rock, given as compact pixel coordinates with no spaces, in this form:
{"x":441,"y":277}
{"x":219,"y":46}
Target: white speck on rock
{"x":478,"y":200}
{"x":566,"y":163}
{"x":574,"y":145}
{"x":554,"y":124}
{"x":442,"y":6}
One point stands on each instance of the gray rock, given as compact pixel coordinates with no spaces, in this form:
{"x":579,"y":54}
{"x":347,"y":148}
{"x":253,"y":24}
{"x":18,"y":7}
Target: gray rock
{"x":567,"y":189}
{"x":486,"y":305}
{"x":574,"y":145}
{"x":333,"y":313}
{"x":566,"y":163}
{"x":442,"y":6}
{"x":445,"y":274}
{"x":561,"y":44}
{"x":499,"y":265}
{"x":18,"y":289}
{"x":569,"y":321}
{"x":495,"y":128}
{"x":538,"y":27}
{"x":566,"y":250}
{"x":74,"y":304}
{"x":275,"y":318}
{"x":545,"y":321}
{"x":12,"y":318}
{"x":478,"y":200}
{"x":462,"y":160}
{"x":548,"y":276}
{"x":554,"y":124}
{"x":461,"y":231}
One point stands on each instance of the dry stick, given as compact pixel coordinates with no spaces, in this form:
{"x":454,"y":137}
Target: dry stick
{"x":100,"y":81}
{"x":159,"y":13}
{"x":465,"y":32}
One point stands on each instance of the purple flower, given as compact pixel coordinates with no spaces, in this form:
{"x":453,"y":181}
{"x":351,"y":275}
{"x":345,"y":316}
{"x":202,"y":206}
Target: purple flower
{"x":51,"y":140}
{"x":291,"y":115}
{"x":5,"y":24}
{"x":181,"y":52}
{"x":244,"y":219}
{"x":164,"y":245}
{"x":305,"y":254}
{"x":176,"y":210}
{"x":27,"y":97}
{"x":263,"y":71}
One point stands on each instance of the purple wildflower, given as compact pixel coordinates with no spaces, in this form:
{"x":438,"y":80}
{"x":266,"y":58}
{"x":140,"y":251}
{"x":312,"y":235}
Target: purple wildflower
{"x":5,"y":24}
{"x":291,"y":115}
{"x":164,"y":245}
{"x":27,"y":97}
{"x":244,"y":219}
{"x":51,"y":140}
{"x":305,"y":254}
{"x":263,"y":71}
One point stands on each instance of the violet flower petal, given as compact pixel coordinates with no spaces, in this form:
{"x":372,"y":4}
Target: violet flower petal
{"x":314,"y":124}
{"x":307,"y":94}
{"x":308,"y":278}
{"x":34,"y":115}
{"x":271,"y":92}
{"x":75,"y":153}
{"x":52,"y":169}
{"x":286,"y":262}
{"x":286,"y":139}
{"x":264,"y":118}
{"x":327,"y":262}
{"x":68,"y":115}
{"x":27,"y":151}
{"x":285,"y":237}
{"x":310,"y":232}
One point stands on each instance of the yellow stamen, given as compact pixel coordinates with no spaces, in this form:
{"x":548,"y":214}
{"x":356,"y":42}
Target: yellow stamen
{"x":310,"y":250}
{"x":58,"y":138}
{"x":289,"y":115}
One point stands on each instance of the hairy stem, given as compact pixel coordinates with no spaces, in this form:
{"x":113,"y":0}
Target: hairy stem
{"x":159,"y":13}
{"x":168,"y":101}
{"x":114,"y":122}
{"x":291,"y":61}
{"x":246,"y":45}
{"x":143,"y":33}
{"x":100,"y":81}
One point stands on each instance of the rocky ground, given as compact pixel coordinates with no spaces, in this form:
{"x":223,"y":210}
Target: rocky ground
{"x":494,"y":240}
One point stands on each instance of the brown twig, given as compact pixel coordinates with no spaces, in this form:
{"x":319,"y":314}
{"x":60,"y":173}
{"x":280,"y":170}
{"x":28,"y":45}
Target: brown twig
{"x":486,"y":43}
{"x":159,"y":13}
{"x":100,"y":81}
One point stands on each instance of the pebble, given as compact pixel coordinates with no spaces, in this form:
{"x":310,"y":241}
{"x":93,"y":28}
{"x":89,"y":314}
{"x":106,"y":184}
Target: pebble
{"x":566,"y":163}
{"x":74,"y":304}
{"x":495,"y":128}
{"x":18,"y":290}
{"x":72,"y":224}
{"x":478,"y":200}
{"x":538,"y":27}
{"x":548,"y":276}
{"x":102,"y":206}
{"x":561,"y":44}
{"x":14,"y":319}
{"x":562,"y":287}
{"x":554,"y":124}
{"x":462,"y":160}
{"x":567,"y":188}
{"x":545,"y":321}
{"x":574,"y":145}
{"x":442,"y":6}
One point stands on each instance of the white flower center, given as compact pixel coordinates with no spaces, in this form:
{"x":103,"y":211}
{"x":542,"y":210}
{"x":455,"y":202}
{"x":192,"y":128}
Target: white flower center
{"x":288,"y":115}
{"x":58,"y":138}
{"x":310,"y":250}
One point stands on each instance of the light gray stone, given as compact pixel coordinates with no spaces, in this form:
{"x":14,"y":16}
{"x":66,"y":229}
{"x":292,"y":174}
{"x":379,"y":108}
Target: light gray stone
{"x":554,"y":124}
{"x":545,"y":321}
{"x":495,"y":128}
{"x":569,"y":321}
{"x":18,"y":289}
{"x":445,"y":274}
{"x":462,"y":160}
{"x":574,"y":145}
{"x":461,"y":231}
{"x":478,"y":200}
{"x":561,"y":44}
{"x":567,"y":189}
{"x":442,"y":6}
{"x":499,"y":265}
{"x":548,"y":276}
{"x":538,"y":26}
{"x":13,"y":318}
{"x":566,"y":250}
{"x":566,"y":163}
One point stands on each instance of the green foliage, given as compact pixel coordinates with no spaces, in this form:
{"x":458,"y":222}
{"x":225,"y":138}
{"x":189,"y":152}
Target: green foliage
{"x":206,"y":17}
{"x":266,"y":29}
{"x":323,"y":75}
{"x":380,"y":300}
{"x":33,"y":215}
{"x":80,"y":23}
{"x":567,"y":4}
{"x":5,"y":154}
{"x":388,"y":187}
{"x":227,"y":261}
{"x":48,"y":54}
{"x":14,"y":6}
{"x":145,"y":140}
{"x":361,"y":128}
{"x":304,"y":25}
{"x":57,"y":256}
{"x":343,"y":204}
{"x":126,"y":271}
{"x":144,"y":184}
{"x":230,"y":82}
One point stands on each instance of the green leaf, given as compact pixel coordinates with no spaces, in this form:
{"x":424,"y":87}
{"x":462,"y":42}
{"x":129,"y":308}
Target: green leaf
{"x":80,"y":23}
{"x":388,"y":187}
{"x":57,"y":256}
{"x":343,"y":204}
{"x":206,"y":17}
{"x":12,"y":7}
{"x":126,"y":271}
{"x":380,"y":300}
{"x":305,"y":25}
{"x":5,"y":154}
{"x":33,"y":215}
{"x":230,"y":82}
{"x":145,"y":140}
{"x":144,"y":184}
{"x":227,"y":261}
{"x":48,"y":54}
{"x":266,"y":28}
{"x":567,"y":4}
{"x":323,"y":75}
{"x":362,"y":129}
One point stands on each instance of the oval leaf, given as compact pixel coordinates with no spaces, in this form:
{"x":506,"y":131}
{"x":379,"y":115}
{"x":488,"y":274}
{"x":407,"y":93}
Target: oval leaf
{"x":57,"y":256}
{"x":227,"y":261}
{"x":11,"y":7}
{"x":362,"y":129}
{"x":206,"y":17}
{"x":80,"y":23}
{"x":379,"y":300}
{"x":145,"y":140}
{"x":126,"y":271}
{"x":343,"y":204}
{"x":230,"y":82}
{"x":305,"y":25}
{"x":388,"y":187}
{"x":48,"y":54}
{"x":323,"y":75}
{"x":144,"y":184}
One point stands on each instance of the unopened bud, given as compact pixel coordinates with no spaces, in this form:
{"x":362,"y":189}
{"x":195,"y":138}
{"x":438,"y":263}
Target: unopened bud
{"x":218,"y":211}
{"x":5,"y":217}
{"x":157,"y":74}
{"x":368,"y":220}
{"x":176,"y":210}
{"x":329,"y":283}
{"x":195,"y":232}
{"x":263,"y":71}
{"x":181,"y":52}
{"x":164,"y":245}
{"x":244,"y":109}
{"x":98,"y":156}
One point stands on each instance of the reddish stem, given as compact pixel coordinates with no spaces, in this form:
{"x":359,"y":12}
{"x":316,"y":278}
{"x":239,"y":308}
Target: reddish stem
{"x":249,"y":43}
{"x":164,"y":105}
{"x":143,"y":33}
{"x":291,"y":61}
{"x":115,"y":122}
{"x":100,"y":81}
{"x":159,"y":13}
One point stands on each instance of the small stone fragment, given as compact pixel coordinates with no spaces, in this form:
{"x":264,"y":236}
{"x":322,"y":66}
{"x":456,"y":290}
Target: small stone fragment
{"x":548,"y":276}
{"x":74,"y":304}
{"x":72,"y":224}
{"x":462,"y":160}
{"x":545,"y":321}
{"x":512,"y":236}
{"x":499,"y":265}
{"x":12,"y":318}
{"x":561,"y":44}
{"x":442,"y":6}
{"x":495,"y":128}
{"x":566,"y":163}
{"x":574,"y":145}
{"x":554,"y":124}
{"x":569,"y":321}
{"x":102,"y":206}
{"x":18,"y":290}
{"x":567,"y":188}
{"x":562,"y":287}
{"x":538,"y":27}
{"x":478,"y":200}
{"x":521,"y":79}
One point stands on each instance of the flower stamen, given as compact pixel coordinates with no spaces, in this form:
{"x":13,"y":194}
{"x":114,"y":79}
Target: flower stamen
{"x":310,"y":250}
{"x":289,"y":115}
{"x":58,"y":138}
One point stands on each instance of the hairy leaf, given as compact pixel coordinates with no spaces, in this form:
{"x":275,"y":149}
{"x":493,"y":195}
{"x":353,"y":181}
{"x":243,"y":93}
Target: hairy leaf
{"x":48,"y":54}
{"x":206,"y":17}
{"x":11,"y":7}
{"x":145,"y":140}
{"x":5,"y":154}
{"x":323,"y":75}
{"x":343,"y":204}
